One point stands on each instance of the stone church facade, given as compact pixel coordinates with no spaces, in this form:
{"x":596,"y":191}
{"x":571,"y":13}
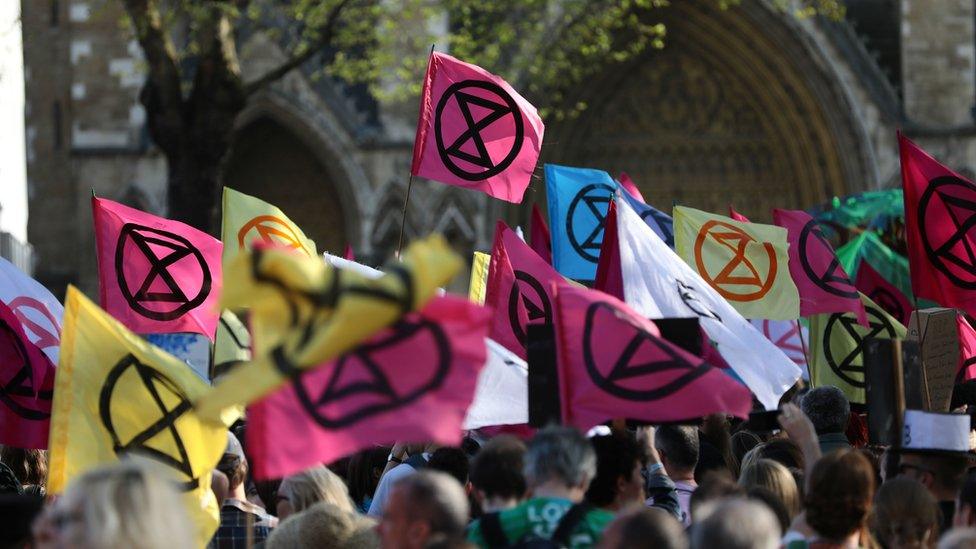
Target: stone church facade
{"x":748,"y":106}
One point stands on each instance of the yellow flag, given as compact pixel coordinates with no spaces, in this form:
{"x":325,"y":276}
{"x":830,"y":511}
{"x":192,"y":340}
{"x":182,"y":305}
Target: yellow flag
{"x":247,"y":219}
{"x":232,"y":344}
{"x":746,"y":263}
{"x":304,"y":312}
{"x":837,"y":347}
{"x":118,"y":397}
{"x":479,"y":277}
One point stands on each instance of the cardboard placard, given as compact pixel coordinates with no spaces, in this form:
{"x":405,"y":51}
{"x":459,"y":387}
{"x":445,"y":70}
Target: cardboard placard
{"x":939,"y":349}
{"x":544,"y":407}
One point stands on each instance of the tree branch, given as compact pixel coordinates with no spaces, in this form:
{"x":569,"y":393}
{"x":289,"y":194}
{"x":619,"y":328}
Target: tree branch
{"x":326,"y":34}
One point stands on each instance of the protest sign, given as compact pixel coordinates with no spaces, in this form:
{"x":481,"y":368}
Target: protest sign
{"x":937,"y":333}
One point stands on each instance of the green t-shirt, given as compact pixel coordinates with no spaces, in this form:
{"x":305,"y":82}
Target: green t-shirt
{"x":540,"y":517}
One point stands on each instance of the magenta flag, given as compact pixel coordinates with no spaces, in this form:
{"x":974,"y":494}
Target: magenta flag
{"x":475,"y":131}
{"x":967,"y":350}
{"x":413,"y":382}
{"x":823,"y":285}
{"x":539,"y":238}
{"x":614,"y":364}
{"x":609,"y":277}
{"x":737,"y":216}
{"x":885,"y":294}
{"x":519,"y":286}
{"x":26,"y":386}
{"x":940,"y":229}
{"x":628,"y":185}
{"x":156,"y":275}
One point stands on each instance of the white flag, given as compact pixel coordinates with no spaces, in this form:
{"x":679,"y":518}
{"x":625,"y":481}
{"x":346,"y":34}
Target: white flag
{"x":502,"y":396}
{"x":790,"y":336}
{"x":658,"y":284}
{"x":38,"y":311}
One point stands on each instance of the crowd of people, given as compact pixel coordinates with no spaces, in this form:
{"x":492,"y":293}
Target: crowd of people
{"x":810,"y":482}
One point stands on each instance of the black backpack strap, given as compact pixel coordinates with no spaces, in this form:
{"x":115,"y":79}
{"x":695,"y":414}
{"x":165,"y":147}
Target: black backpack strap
{"x":491,"y":531}
{"x":569,"y":522}
{"x":417,"y":461}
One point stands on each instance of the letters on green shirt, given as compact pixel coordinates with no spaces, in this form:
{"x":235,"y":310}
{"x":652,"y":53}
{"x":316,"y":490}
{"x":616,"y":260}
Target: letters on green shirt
{"x":540,"y":517}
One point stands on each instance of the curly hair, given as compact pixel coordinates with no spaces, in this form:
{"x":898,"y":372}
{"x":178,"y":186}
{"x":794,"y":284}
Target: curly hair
{"x":839,"y":494}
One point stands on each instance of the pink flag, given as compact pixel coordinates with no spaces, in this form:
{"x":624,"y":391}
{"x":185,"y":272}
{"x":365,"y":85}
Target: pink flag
{"x":156,"y":275}
{"x":614,"y":364}
{"x":539,"y":238}
{"x":885,"y":294}
{"x":609,"y":278}
{"x":475,"y":131}
{"x":788,"y":335}
{"x":823,"y":285}
{"x":26,"y":386}
{"x":518,"y":289}
{"x":413,"y":383}
{"x":38,"y":311}
{"x":737,"y":216}
{"x":628,"y":184}
{"x":940,"y":229}
{"x":967,"y":350}
{"x":348,"y":253}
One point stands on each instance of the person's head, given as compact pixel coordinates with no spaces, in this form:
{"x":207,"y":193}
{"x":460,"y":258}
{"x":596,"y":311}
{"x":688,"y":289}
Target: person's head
{"x":220,"y":486}
{"x":324,"y":525}
{"x":120,"y":505}
{"x":302,"y":490}
{"x":941,"y":474}
{"x":905,"y":515}
{"x":839,"y":492}
{"x":782,"y":450}
{"x":966,"y":503}
{"x":713,"y":487}
{"x":365,"y":470}
{"x":30,"y":465}
{"x":742,"y":442}
{"x":827,"y":408}
{"x":774,"y":503}
{"x":560,"y":458}
{"x":678,"y":447}
{"x":233,"y":464}
{"x":423,"y":506}
{"x":496,"y":473}
{"x":618,"y":481}
{"x":958,"y":538}
{"x":736,"y":523}
{"x":775,"y":478}
{"x":644,"y":528}
{"x":450,"y":460}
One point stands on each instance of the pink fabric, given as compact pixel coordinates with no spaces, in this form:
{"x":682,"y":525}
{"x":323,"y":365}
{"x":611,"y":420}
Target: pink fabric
{"x":411,"y":383}
{"x":26,"y":386}
{"x":348,"y":253}
{"x":614,"y":364}
{"x":156,"y":275}
{"x":609,"y":278}
{"x":628,"y":184}
{"x":823,"y":285}
{"x":737,"y":216}
{"x":885,"y":294}
{"x":515,"y":267}
{"x":539,"y":238}
{"x":967,"y":350}
{"x":941,"y":238}
{"x":475,"y":131}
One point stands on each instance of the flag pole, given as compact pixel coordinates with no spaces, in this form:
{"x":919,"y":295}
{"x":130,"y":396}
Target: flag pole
{"x":406,"y":199}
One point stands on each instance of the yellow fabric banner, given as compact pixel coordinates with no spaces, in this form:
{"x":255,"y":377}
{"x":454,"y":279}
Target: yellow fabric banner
{"x":479,"y":277}
{"x":746,"y":263}
{"x":247,"y":219}
{"x":305,"y":312}
{"x":837,"y":347}
{"x":118,"y":397}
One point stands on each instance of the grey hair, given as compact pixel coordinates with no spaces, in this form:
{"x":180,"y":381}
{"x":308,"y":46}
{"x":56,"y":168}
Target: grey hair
{"x":736,"y":523}
{"x":437,"y":498}
{"x":560,"y":453}
{"x":827,"y":408}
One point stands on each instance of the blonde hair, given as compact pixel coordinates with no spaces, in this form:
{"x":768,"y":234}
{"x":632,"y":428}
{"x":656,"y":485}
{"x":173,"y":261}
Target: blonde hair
{"x":315,"y":485}
{"x":324,"y":526}
{"x":774,"y":477}
{"x":126,"y":505}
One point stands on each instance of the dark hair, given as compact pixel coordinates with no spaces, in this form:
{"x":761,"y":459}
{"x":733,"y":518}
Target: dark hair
{"x":784,"y":451}
{"x":714,"y":486}
{"x":497,"y":469}
{"x":742,"y":442}
{"x":967,"y":494}
{"x":650,"y":527}
{"x":30,"y":466}
{"x":234,"y":468}
{"x":452,"y":461}
{"x":679,"y":444}
{"x":827,"y":408}
{"x":839,"y":494}
{"x":267,"y":490}
{"x":774,"y":503}
{"x":616,"y":456}
{"x":948,"y":471}
{"x":363,"y":474}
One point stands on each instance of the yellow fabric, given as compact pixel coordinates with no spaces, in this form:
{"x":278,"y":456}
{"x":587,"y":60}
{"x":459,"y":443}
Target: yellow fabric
{"x":247,"y":219}
{"x":479,"y":277}
{"x":746,"y":263}
{"x":233,"y":342}
{"x":111,"y":388}
{"x":304,"y":312}
{"x":835,"y":358}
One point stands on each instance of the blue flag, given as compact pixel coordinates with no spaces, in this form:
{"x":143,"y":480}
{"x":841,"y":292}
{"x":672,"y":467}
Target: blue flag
{"x":660,"y":222}
{"x":578,"y":200}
